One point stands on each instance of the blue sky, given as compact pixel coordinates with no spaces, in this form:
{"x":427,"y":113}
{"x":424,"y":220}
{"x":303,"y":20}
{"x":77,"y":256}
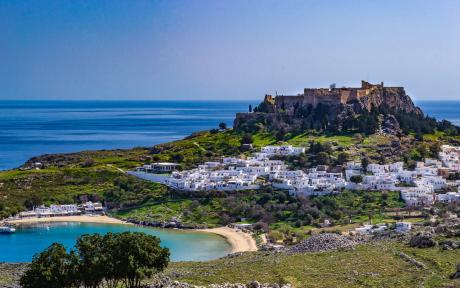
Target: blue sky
{"x":224,"y":49}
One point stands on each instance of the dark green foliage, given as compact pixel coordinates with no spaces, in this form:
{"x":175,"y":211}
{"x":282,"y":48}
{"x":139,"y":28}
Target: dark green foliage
{"x":222,"y":125}
{"x":136,"y":256}
{"x":317,"y":147}
{"x":270,"y":206}
{"x":53,"y":268}
{"x":280,"y":134}
{"x":95,"y":262}
{"x":247,"y":138}
{"x":322,"y":158}
{"x":112,"y":260}
{"x":342,"y":158}
{"x":263,"y":108}
{"x":33,"y":201}
{"x":356,"y":179}
{"x":315,"y":118}
{"x":364,"y":163}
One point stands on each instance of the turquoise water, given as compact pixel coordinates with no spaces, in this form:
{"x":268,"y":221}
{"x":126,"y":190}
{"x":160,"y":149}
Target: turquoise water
{"x":183,"y":245}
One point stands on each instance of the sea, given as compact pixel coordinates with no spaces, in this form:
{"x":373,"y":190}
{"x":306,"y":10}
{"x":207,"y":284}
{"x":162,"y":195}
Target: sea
{"x":31,"y":128}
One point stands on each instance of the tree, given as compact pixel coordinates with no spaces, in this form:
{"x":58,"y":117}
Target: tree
{"x":260,"y":226}
{"x":32,"y":201}
{"x":94,"y":263}
{"x":280,"y":134}
{"x":342,"y":158}
{"x":247,"y":138}
{"x":177,"y":157}
{"x":112,"y":260}
{"x":322,"y":158}
{"x":250,"y":108}
{"x":356,"y":179}
{"x":364,"y":164}
{"x":138,"y":256}
{"x":52,"y":268}
{"x":222,"y":125}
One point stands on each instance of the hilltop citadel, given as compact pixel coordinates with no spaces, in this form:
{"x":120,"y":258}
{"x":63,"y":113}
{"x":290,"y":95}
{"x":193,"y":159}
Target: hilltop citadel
{"x":337,"y":96}
{"x":335,"y":109}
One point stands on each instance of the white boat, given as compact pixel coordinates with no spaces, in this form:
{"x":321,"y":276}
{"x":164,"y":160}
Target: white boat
{"x":7,"y":230}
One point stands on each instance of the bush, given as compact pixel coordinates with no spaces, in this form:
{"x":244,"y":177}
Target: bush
{"x":275,"y":236}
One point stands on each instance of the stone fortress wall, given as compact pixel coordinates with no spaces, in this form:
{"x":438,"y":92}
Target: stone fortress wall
{"x":329,"y":96}
{"x":368,"y":94}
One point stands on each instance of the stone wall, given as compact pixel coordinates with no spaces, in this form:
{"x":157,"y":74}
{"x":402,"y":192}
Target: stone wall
{"x":367,"y":96}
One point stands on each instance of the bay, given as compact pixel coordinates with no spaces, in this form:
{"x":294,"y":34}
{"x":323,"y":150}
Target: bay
{"x":33,"y":238}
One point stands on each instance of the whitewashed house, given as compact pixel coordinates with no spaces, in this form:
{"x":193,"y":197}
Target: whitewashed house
{"x":448,"y":197}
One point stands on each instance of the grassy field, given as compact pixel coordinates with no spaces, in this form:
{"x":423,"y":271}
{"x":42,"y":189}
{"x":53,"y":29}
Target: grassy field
{"x":370,"y":265}
{"x":264,"y":139}
{"x":378,"y":264}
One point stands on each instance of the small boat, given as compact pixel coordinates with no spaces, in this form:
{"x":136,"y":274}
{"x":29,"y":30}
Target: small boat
{"x":7,"y":230}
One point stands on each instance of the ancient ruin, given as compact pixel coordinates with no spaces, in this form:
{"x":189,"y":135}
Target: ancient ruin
{"x":327,"y":107}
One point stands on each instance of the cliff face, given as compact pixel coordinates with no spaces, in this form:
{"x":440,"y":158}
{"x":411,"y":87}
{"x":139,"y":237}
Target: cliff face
{"x":322,"y":108}
{"x":394,"y":98}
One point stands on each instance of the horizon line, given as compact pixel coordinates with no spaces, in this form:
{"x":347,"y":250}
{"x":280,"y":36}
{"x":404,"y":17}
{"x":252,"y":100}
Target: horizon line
{"x":179,"y":100}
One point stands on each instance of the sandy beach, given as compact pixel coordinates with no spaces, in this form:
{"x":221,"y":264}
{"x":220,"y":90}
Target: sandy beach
{"x":240,"y":241}
{"x":80,"y":218}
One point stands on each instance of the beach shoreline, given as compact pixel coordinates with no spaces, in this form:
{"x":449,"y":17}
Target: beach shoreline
{"x":238,"y":240}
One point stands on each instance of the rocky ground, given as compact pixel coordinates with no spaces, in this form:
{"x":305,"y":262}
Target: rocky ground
{"x":10,"y":274}
{"x":322,"y":242}
{"x":165,"y":282}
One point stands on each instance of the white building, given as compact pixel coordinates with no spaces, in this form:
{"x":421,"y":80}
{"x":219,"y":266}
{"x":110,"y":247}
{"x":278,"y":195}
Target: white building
{"x":287,"y":150}
{"x":416,"y":186}
{"x":63,"y":210}
{"x":403,"y":227}
{"x":448,"y":197}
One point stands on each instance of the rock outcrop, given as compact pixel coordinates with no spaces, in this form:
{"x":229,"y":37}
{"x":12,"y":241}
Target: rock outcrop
{"x":456,"y":274}
{"x":422,"y":240}
{"x":322,"y":242}
{"x":165,"y":282}
{"x":335,"y":108}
